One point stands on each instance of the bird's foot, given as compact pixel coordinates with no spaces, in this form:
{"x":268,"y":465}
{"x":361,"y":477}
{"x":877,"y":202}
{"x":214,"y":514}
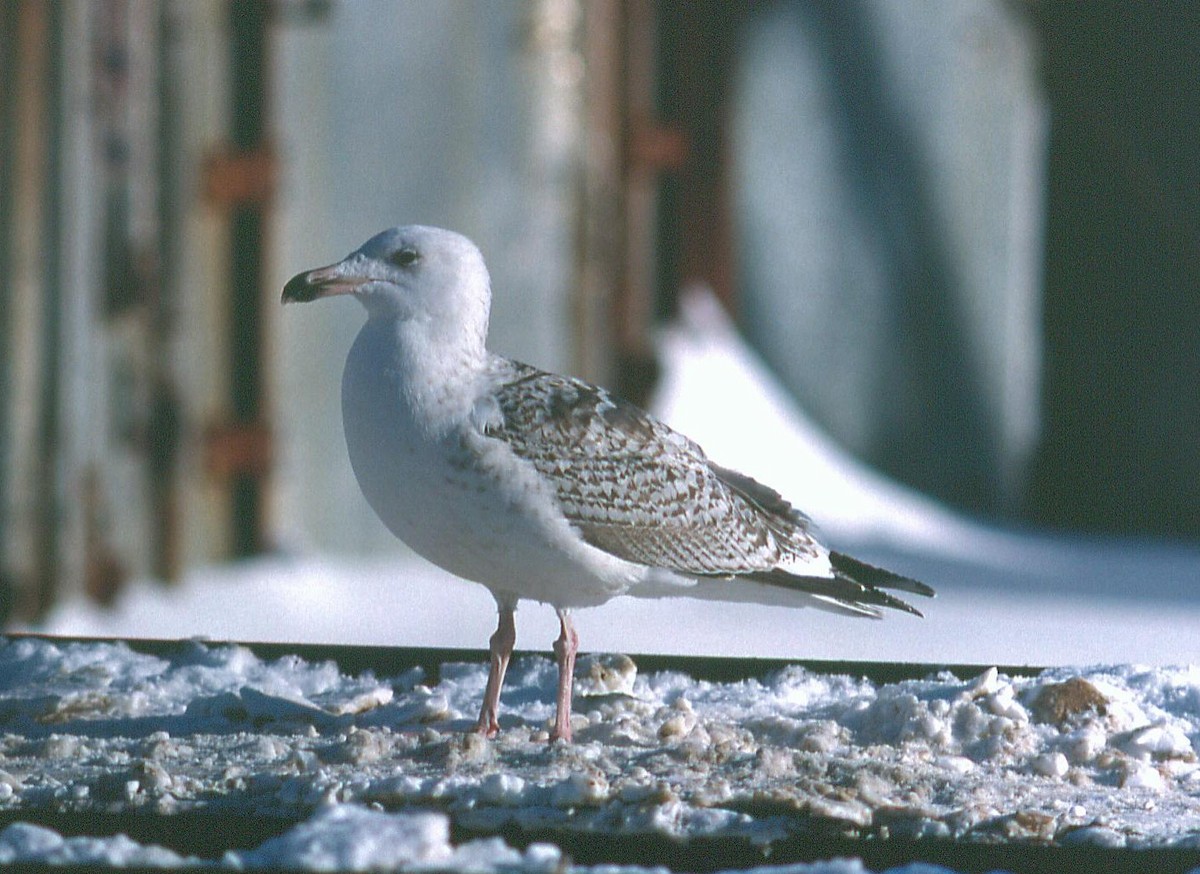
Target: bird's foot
{"x":501,"y":651}
{"x":486,"y":727}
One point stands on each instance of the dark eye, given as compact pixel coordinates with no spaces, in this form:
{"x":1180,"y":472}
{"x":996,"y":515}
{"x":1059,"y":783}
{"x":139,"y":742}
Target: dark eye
{"x":404,"y":257}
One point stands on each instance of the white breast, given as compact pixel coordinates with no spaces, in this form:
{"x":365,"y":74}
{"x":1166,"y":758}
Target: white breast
{"x":459,"y":499}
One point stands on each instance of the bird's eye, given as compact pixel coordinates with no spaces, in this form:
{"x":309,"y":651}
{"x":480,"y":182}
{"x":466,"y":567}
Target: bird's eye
{"x":405,"y":257}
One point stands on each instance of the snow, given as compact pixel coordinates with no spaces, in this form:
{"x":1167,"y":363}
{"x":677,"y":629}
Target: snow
{"x":371,"y":767}
{"x":28,"y":844}
{"x":350,"y":838}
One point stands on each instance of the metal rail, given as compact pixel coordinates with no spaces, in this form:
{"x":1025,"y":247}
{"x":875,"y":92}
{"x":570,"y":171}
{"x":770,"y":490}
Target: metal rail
{"x":392,"y":660}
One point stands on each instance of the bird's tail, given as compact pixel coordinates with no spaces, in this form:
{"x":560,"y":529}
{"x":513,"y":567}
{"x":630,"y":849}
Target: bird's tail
{"x":856,"y":587}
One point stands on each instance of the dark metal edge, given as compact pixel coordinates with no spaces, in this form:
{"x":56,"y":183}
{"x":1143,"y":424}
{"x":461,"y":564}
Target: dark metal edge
{"x":393,"y":660}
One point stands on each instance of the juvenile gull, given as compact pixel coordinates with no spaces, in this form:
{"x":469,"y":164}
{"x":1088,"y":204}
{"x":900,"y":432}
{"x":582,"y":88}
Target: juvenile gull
{"x":542,"y":486}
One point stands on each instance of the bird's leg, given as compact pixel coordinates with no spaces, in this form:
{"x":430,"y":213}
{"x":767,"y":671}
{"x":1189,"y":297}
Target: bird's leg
{"x":564,"y":651}
{"x":501,"y":645}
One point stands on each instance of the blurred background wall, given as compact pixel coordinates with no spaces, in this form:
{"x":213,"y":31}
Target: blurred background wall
{"x":890,"y":163}
{"x":962,"y":233}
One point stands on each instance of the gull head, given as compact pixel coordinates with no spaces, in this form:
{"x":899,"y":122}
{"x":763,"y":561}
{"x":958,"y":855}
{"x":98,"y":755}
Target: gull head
{"x":412,"y":273}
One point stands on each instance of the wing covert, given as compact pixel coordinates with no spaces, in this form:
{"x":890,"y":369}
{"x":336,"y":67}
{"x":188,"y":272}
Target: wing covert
{"x":639,"y":490}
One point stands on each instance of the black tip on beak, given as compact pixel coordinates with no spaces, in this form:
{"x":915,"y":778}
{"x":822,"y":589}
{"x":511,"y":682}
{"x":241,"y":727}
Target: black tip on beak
{"x":300,"y":290}
{"x":322,"y":282}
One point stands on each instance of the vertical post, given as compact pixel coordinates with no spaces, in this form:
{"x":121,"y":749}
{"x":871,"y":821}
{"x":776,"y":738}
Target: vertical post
{"x":696,"y":59}
{"x":642,"y":163}
{"x":49,"y":479}
{"x":165,"y":405}
{"x":602,"y":234}
{"x":9,"y":21}
{"x":248,"y":21}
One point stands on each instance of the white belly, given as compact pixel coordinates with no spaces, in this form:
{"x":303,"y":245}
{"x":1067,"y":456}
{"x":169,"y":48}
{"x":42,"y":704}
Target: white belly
{"x":464,"y":501}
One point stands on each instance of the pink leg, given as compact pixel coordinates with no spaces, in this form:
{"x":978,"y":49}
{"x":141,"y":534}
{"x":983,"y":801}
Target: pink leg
{"x":501,"y":650}
{"x":564,"y":650}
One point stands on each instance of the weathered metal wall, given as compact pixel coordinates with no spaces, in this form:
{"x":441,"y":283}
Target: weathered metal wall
{"x":166,"y":166}
{"x":113,"y":338}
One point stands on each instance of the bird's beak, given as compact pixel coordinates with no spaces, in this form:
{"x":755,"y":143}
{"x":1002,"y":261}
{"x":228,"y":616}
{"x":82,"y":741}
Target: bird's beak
{"x":322,"y":282}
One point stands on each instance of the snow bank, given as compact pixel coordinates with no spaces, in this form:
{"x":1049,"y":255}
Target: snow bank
{"x":22,"y":843}
{"x":1104,"y":755}
{"x":351,"y":838}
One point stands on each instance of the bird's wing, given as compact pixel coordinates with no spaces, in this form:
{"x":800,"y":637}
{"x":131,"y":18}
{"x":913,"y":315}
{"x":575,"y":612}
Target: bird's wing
{"x":641,"y":491}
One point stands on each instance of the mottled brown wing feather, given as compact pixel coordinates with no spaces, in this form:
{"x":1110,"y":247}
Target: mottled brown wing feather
{"x":639,"y":490}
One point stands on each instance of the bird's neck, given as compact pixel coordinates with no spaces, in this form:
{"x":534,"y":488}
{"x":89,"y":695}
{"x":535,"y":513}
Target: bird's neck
{"x":437,"y":373}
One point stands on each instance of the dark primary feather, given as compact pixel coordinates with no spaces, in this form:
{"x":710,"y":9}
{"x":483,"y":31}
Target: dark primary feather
{"x":854,"y":582}
{"x":642,"y":492}
{"x":869,"y":575}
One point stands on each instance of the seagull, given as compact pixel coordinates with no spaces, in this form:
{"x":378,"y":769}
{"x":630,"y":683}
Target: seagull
{"x":545,"y":487}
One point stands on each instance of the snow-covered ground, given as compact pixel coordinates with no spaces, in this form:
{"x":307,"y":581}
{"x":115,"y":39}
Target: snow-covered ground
{"x":1005,"y":597}
{"x":1103,"y":757}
